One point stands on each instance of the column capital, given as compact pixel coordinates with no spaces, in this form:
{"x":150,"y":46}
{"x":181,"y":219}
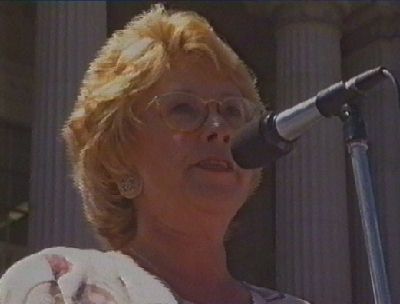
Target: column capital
{"x":285,"y":12}
{"x":369,"y":23}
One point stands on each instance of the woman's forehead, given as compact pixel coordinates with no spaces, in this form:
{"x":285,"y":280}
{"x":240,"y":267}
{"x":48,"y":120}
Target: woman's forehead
{"x":197,"y":75}
{"x":192,"y":74}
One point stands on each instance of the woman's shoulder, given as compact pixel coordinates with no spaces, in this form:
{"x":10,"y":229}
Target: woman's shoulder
{"x":266,"y":295}
{"x":72,"y":275}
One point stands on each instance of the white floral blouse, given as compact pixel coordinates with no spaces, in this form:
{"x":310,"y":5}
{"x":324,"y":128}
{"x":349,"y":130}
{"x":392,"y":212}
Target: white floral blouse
{"x":64,"y":275}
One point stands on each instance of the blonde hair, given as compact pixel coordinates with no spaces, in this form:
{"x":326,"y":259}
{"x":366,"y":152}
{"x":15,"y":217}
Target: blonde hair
{"x":99,"y":131}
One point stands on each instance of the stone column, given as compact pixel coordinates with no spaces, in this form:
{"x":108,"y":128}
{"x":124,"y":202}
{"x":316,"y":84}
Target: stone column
{"x":311,"y":212}
{"x":67,"y":36}
{"x":372,"y":38}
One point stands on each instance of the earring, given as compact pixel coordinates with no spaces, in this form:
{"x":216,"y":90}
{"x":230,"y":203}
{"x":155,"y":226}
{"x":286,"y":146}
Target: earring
{"x":131,"y":186}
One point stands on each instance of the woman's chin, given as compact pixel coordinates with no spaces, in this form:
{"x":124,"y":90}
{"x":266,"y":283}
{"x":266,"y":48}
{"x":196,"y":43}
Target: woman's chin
{"x":217,"y":186}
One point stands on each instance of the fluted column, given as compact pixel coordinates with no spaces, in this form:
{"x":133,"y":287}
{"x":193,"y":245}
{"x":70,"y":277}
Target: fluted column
{"x":311,"y":212}
{"x":373,"y":38}
{"x":67,"y":36}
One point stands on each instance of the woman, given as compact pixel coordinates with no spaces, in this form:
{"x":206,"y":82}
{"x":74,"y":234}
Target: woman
{"x":149,"y":141}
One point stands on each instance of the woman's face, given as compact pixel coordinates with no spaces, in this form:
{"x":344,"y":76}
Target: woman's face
{"x":180,"y":170}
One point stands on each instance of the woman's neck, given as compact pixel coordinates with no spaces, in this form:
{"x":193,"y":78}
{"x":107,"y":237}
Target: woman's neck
{"x":185,"y":253}
{"x":193,"y":265}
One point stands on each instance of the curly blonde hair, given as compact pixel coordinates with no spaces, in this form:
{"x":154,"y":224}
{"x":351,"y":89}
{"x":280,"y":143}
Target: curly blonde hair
{"x":99,"y":131}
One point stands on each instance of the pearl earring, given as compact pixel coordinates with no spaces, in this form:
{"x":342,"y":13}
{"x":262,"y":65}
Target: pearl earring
{"x":131,"y":186}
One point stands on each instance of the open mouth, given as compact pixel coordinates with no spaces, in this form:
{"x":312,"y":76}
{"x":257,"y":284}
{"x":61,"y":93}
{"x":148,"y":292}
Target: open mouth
{"x":215,"y":165}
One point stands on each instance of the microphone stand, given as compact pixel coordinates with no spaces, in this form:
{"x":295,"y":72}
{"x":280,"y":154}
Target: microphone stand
{"x":273,"y":136}
{"x":356,"y":141}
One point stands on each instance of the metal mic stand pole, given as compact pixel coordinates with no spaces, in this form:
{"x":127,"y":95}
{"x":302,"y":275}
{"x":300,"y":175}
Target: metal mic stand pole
{"x":356,"y":142}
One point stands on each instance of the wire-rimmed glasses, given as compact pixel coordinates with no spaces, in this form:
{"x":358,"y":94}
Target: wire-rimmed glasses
{"x":187,"y":112}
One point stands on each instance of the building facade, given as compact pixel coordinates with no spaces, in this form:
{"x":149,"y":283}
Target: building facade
{"x":301,"y":232}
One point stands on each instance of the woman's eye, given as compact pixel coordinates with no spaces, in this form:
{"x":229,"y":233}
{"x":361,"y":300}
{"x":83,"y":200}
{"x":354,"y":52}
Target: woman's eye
{"x":182,"y":109}
{"x":233,"y":111}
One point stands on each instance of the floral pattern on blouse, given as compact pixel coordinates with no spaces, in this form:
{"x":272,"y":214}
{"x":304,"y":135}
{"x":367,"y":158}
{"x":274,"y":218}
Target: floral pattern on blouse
{"x":50,"y":292}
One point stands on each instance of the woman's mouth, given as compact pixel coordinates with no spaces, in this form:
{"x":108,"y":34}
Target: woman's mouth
{"x":215,"y":165}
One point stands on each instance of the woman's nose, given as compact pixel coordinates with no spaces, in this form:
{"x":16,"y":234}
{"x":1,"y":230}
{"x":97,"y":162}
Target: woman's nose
{"x":216,"y":129}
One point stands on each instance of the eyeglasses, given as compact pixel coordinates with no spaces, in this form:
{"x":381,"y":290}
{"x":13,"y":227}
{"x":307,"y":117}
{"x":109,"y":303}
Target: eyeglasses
{"x":186,"y":112}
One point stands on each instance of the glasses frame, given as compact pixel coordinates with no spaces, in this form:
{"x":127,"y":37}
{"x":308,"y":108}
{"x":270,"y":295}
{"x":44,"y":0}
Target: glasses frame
{"x":253,"y":109}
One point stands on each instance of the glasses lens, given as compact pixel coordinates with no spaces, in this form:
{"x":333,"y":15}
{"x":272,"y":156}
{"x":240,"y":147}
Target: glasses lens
{"x":236,"y":111}
{"x":182,"y":111}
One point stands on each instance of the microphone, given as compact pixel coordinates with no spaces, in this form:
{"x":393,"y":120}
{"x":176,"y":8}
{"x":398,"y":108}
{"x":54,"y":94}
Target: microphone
{"x":262,"y":142}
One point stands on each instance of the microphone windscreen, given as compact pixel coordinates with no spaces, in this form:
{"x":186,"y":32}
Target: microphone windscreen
{"x":258,"y":145}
